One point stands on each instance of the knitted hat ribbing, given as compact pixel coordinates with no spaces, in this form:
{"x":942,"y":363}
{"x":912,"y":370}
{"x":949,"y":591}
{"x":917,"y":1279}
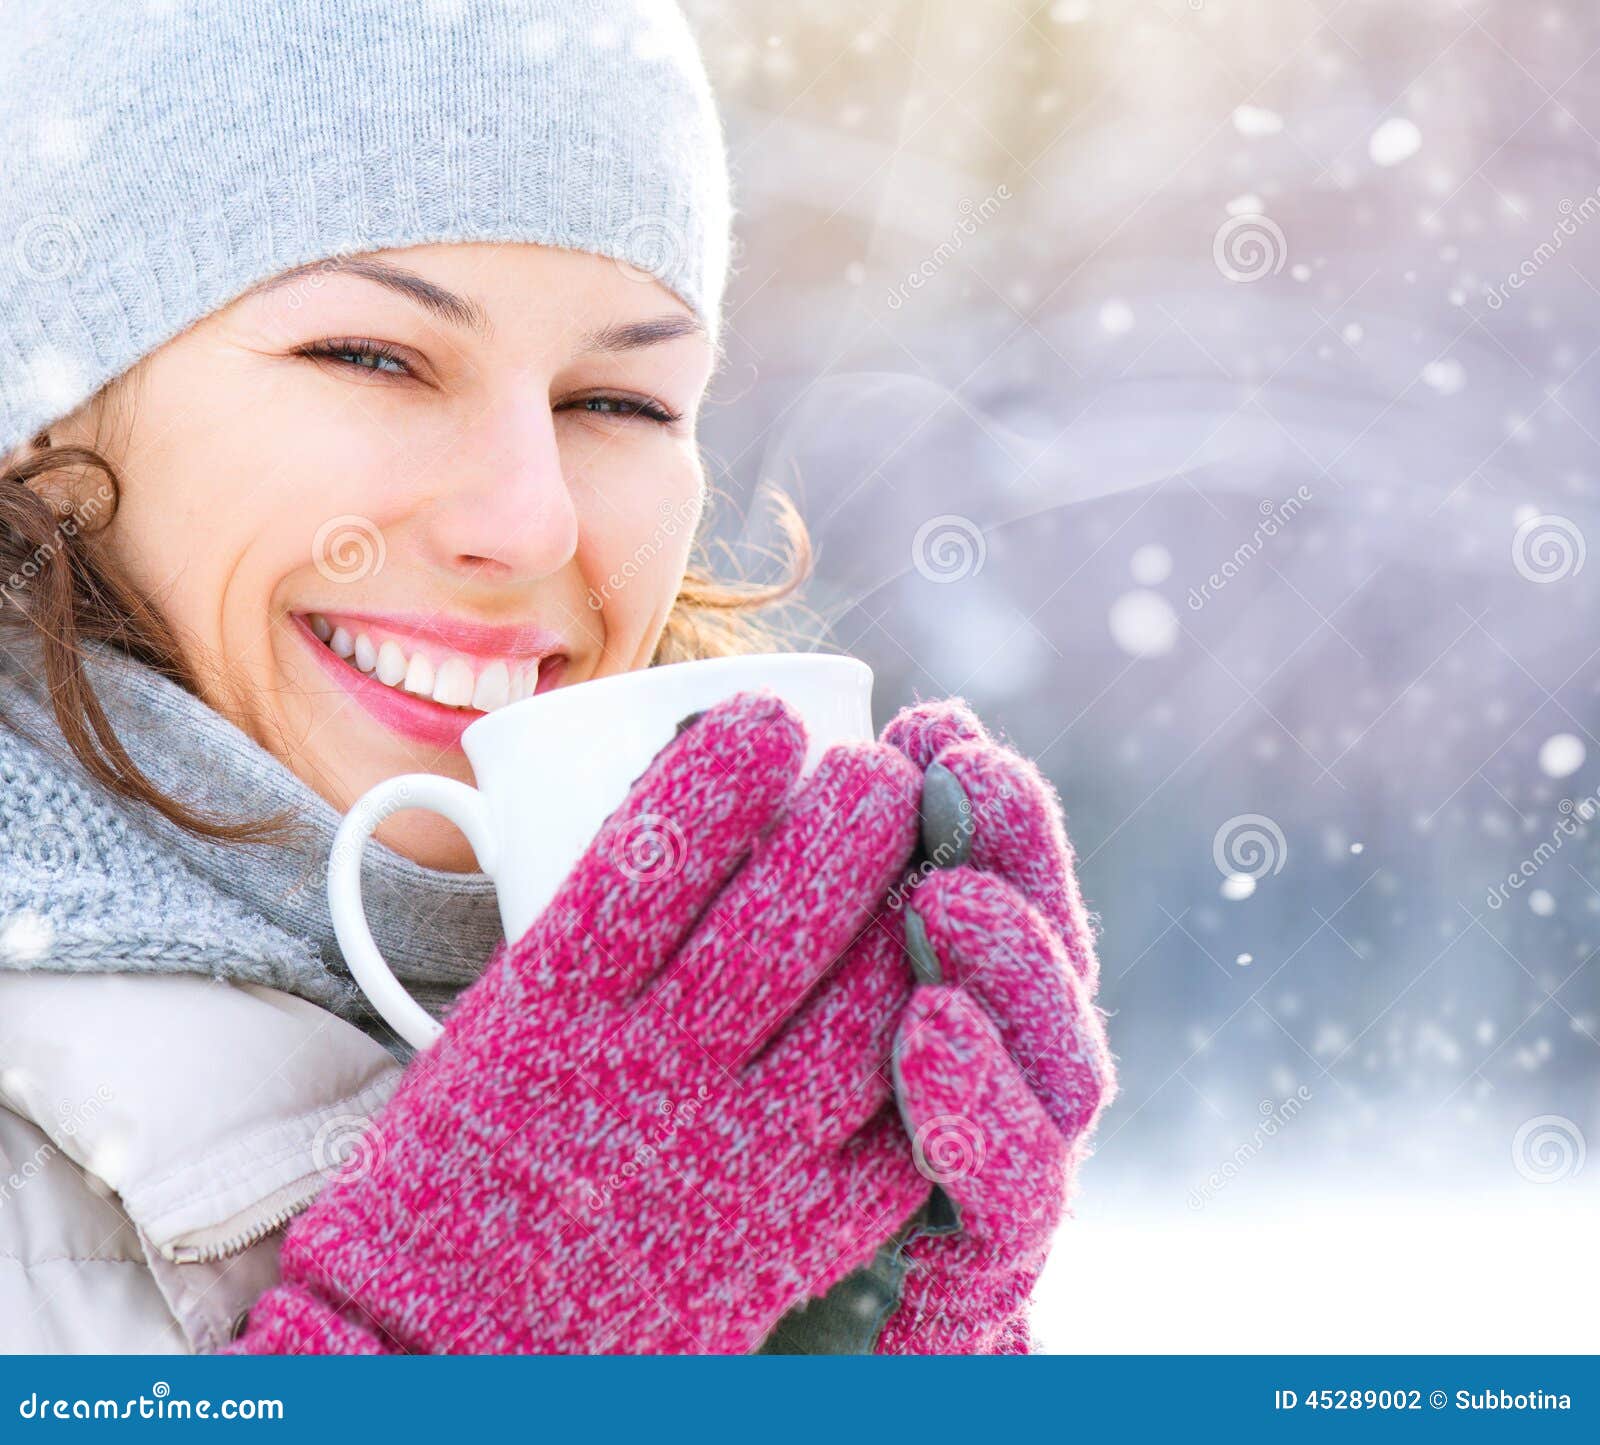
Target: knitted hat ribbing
{"x":160,"y":157}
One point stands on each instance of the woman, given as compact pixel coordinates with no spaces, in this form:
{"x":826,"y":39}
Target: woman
{"x":350,"y":358}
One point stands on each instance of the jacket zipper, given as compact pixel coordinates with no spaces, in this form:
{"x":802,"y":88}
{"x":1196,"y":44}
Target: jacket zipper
{"x":251,"y":1232}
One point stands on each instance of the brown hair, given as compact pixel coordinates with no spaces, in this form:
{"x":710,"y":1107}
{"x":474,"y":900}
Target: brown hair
{"x":57,"y":591}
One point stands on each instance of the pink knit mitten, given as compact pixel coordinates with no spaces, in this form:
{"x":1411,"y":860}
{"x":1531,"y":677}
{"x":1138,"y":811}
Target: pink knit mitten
{"x":1002,"y":1065}
{"x":622,"y":1140}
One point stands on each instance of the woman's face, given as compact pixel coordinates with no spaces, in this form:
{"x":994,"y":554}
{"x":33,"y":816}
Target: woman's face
{"x":381,"y":496}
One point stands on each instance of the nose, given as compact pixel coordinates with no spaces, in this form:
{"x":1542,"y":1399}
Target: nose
{"x":505,"y":512}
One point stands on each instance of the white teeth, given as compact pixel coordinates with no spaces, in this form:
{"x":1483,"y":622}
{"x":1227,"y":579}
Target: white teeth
{"x":493,"y":689}
{"x":419,"y":676}
{"x":453,"y":685}
{"x":391,"y":664}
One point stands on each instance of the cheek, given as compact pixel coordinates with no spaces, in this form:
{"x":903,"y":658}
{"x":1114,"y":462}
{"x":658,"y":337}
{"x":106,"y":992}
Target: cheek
{"x":634,"y":546}
{"x":255,"y":442}
{"x":222,"y":498}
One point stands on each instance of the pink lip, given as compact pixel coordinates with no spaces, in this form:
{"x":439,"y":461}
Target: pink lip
{"x":478,"y":639}
{"x":422,"y":719}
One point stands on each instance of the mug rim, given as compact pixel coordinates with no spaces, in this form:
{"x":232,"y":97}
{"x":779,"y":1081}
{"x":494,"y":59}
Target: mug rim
{"x":619,"y":681}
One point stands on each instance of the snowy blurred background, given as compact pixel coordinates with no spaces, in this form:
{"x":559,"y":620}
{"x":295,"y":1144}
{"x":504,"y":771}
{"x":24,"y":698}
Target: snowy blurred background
{"x":1207,"y":390}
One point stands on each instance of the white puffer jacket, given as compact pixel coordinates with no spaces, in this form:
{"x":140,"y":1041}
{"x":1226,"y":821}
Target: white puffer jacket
{"x":157,"y":1133}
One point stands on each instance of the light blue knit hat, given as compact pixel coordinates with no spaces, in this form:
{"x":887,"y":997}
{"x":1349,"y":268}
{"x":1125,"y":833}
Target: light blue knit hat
{"x":160,"y":157}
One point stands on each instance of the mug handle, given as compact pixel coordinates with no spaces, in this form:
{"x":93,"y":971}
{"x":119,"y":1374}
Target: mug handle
{"x":463,"y":805}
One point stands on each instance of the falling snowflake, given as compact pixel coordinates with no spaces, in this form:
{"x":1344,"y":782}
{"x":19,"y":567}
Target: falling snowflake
{"x":1151,"y":565}
{"x":1561,"y":755}
{"x":1397,"y":139}
{"x":1253,"y":120}
{"x":1143,"y":624}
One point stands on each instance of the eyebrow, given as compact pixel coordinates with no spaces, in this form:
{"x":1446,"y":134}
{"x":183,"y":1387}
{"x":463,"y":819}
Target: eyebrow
{"x":446,"y":305}
{"x":466,"y":313}
{"x":630,"y":336}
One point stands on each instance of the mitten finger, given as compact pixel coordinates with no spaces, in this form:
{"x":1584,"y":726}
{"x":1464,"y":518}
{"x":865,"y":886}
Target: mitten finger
{"x":878,"y":1187}
{"x":977,"y":1129}
{"x":658,"y":860}
{"x":983,"y":935}
{"x":810,"y":886}
{"x":830,"y":1063}
{"x":924,"y":731}
{"x":1018,"y":832}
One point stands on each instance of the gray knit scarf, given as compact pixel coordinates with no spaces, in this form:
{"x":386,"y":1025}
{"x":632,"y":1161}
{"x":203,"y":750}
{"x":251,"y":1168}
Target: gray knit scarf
{"x":92,"y":884}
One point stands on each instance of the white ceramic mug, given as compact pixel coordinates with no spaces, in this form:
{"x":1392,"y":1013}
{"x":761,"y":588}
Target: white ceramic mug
{"x":551,"y":768}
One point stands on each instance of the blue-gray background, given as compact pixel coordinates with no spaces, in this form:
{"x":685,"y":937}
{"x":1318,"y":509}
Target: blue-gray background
{"x":1224,"y":290}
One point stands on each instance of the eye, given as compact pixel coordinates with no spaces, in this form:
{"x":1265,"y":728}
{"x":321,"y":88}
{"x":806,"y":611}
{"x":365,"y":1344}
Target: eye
{"x":628,"y":406}
{"x":373,"y":356}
